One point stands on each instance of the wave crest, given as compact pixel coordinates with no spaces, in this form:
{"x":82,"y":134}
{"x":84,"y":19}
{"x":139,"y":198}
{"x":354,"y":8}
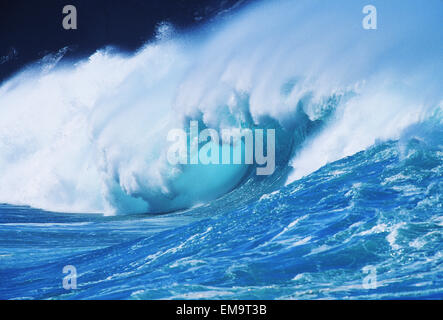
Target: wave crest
{"x":90,"y":136}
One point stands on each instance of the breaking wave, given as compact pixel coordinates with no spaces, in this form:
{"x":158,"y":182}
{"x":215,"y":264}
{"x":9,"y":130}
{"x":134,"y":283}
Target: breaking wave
{"x":89,"y":136}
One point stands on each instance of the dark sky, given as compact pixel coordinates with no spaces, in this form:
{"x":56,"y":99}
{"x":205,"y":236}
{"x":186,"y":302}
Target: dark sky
{"x":30,"y":29}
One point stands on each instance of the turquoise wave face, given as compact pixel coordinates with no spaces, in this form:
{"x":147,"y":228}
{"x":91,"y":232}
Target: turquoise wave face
{"x":379,"y":210}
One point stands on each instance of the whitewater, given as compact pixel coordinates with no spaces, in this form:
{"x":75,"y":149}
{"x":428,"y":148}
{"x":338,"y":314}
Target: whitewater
{"x":358,"y":116}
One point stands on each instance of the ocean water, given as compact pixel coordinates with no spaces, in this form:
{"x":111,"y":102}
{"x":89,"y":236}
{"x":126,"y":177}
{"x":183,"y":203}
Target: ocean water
{"x":357,"y":190}
{"x":308,"y":240}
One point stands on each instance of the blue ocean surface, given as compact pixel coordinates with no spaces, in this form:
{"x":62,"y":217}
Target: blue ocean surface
{"x":353,"y":209}
{"x":308,"y":240}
